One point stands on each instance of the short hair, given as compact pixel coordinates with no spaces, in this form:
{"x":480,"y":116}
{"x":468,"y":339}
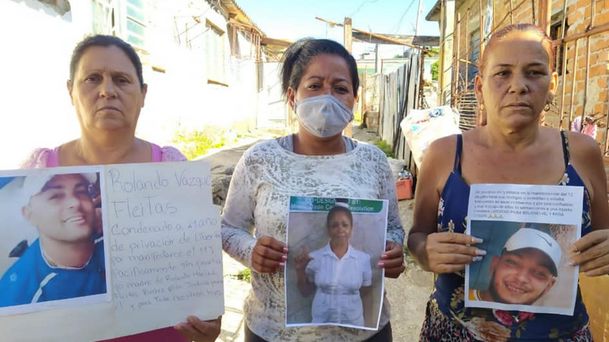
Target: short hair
{"x":505,"y":31}
{"x":338,"y":209}
{"x":106,"y":41}
{"x":298,"y":56}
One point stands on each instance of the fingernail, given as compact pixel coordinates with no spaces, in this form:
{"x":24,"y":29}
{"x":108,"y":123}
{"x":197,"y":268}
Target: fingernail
{"x":284,"y":257}
{"x":477,"y":258}
{"x":573,"y":249}
{"x":384,"y":256}
{"x":571,"y":263}
{"x":281,"y":264}
{"x":285,"y":249}
{"x":381,"y":264}
{"x":476,"y":240}
{"x":480,"y":252}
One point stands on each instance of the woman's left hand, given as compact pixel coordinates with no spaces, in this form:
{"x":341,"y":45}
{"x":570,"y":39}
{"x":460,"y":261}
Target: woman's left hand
{"x":592,"y":253}
{"x":200,"y":331}
{"x":392,"y":260}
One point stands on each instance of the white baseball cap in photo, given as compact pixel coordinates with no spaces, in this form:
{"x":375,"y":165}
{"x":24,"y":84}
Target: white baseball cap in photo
{"x":35,"y":183}
{"x":533,"y":238}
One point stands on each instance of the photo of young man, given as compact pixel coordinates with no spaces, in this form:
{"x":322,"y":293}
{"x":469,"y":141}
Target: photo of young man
{"x":526,"y":270}
{"x":67,"y":259}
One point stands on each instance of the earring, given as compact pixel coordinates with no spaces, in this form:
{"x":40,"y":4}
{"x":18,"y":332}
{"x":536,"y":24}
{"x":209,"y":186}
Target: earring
{"x":547,"y":107}
{"x":482,"y":107}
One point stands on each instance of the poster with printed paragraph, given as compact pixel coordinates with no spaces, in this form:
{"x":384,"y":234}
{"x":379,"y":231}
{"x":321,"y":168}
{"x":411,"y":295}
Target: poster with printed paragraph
{"x":331,"y":275}
{"x":132,"y":248}
{"x":527,"y":231}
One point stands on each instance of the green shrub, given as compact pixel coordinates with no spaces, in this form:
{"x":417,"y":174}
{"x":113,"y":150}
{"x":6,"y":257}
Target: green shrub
{"x":196,"y":143}
{"x":245,"y":275}
{"x":434,"y":70}
{"x":385,"y":147}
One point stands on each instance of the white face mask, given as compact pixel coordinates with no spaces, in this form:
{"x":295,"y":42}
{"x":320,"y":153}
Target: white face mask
{"x":323,"y":115}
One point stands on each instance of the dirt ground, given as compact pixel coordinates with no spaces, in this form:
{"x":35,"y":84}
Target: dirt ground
{"x":409,"y":293}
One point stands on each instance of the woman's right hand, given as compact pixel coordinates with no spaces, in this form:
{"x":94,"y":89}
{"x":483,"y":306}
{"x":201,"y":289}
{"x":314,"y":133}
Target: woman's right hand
{"x":450,"y":252}
{"x":268,"y":255}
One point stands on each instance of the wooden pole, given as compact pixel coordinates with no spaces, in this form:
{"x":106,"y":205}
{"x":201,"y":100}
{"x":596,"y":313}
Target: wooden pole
{"x":466,"y":48}
{"x":573,"y":81}
{"x":456,"y":34}
{"x":533,"y":10}
{"x":348,"y":34}
{"x":348,"y":42}
{"x":563,"y":85}
{"x":545,"y":15}
{"x":548,"y":16}
{"x":482,"y":37}
{"x":511,"y":12}
{"x":596,"y":30}
{"x":563,"y":75}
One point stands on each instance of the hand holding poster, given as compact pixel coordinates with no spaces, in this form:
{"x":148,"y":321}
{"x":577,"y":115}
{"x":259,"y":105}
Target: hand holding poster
{"x":526,"y":231}
{"x":333,"y":278}
{"x":156,"y":255}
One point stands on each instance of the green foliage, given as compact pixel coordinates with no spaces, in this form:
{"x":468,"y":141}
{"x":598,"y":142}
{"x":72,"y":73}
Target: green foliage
{"x":435,"y":49}
{"x":434,"y":70}
{"x":407,"y":257}
{"x":245,"y":275}
{"x":196,"y":143}
{"x":385,"y":147}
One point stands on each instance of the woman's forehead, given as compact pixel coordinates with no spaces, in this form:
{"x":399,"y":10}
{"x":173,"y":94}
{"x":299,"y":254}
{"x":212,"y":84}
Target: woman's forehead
{"x":106,"y":57}
{"x":515,"y":49}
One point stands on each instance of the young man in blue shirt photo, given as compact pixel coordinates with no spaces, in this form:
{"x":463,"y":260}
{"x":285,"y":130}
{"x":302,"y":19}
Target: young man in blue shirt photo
{"x":66,"y":261}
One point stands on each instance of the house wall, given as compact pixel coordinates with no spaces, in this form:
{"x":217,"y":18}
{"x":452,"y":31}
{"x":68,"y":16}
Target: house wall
{"x":36,"y":102}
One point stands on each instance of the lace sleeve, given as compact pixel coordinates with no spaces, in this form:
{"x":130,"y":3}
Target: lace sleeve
{"x":238,"y":215}
{"x":395,"y":230}
{"x":37,"y":159}
{"x":171,"y":154}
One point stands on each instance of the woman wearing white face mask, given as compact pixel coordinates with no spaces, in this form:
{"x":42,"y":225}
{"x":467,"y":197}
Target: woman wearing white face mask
{"x":320,"y":81}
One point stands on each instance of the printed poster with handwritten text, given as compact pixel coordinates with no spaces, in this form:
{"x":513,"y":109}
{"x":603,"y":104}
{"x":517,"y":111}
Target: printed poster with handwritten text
{"x":132,"y":248}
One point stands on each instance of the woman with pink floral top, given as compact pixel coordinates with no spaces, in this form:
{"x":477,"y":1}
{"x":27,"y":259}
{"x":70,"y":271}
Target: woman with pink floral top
{"x":107,"y":90}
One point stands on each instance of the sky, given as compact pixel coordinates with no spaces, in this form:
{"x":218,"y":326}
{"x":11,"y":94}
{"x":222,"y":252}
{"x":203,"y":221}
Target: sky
{"x":294,"y":19}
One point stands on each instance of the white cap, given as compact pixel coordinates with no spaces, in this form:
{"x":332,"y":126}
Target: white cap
{"x":33,"y":184}
{"x":533,"y":238}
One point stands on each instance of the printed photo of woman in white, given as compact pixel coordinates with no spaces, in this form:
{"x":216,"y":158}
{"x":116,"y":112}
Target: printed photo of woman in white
{"x":335,"y":274}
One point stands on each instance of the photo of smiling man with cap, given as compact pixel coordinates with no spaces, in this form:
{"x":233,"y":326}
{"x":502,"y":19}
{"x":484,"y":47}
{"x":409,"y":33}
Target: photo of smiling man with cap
{"x":525,"y":271}
{"x":66,"y":260}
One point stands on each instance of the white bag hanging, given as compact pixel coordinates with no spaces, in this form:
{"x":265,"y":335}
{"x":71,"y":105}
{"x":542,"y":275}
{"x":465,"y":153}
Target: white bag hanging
{"x":422,"y":126}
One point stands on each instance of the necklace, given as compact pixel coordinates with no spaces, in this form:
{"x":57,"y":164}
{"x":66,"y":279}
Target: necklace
{"x":52,"y":264}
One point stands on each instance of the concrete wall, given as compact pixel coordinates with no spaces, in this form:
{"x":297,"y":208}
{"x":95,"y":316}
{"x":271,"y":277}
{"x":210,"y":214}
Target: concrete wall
{"x":38,"y":42}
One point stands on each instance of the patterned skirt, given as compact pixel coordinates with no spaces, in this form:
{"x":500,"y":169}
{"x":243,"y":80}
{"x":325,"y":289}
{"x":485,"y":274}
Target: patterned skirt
{"x":438,"y":327}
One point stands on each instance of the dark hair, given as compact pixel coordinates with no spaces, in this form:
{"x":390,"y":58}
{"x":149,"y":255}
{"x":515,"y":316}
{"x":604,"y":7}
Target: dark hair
{"x":336,"y":210}
{"x":298,"y":56}
{"x":105,"y":41}
{"x":504,"y":31}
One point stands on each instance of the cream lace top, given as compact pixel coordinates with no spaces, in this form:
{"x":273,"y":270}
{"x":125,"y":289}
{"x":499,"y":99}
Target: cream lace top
{"x":257,"y":205}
